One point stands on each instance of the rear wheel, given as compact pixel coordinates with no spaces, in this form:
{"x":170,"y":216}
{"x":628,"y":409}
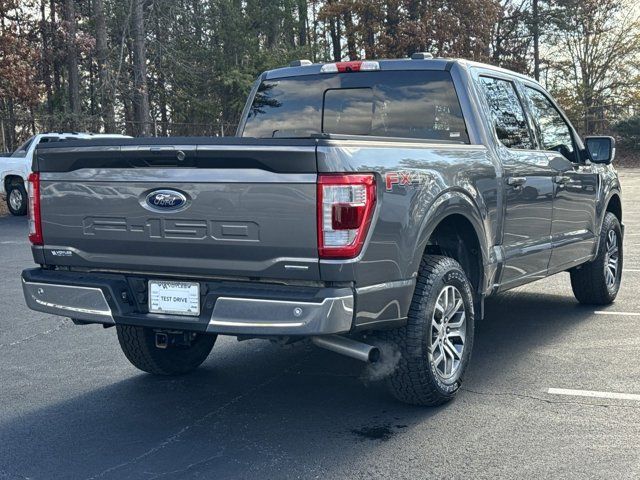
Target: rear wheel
{"x":167,"y":357}
{"x":17,"y":199}
{"x":436,"y":343}
{"x":598,"y":282}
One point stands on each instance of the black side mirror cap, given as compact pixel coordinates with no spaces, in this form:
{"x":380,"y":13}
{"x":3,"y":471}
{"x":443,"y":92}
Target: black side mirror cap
{"x":601,"y":149}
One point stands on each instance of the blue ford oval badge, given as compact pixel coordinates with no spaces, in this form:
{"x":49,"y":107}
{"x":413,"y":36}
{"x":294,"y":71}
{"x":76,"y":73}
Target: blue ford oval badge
{"x":166,"y":200}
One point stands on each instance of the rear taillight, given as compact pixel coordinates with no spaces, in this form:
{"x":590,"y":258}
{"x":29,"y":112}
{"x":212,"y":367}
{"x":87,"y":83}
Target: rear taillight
{"x":35,"y":224}
{"x":345,"y":207}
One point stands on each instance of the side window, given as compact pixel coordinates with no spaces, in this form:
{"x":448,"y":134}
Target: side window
{"x":554,"y":131}
{"x":22,"y":149}
{"x":507,"y":112}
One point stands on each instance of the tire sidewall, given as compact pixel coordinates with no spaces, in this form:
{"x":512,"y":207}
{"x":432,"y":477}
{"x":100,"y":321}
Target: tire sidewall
{"x":455,"y":276}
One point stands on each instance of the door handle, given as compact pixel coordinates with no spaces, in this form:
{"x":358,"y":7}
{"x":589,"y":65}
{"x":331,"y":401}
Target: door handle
{"x":516,"y":181}
{"x":562,"y":179}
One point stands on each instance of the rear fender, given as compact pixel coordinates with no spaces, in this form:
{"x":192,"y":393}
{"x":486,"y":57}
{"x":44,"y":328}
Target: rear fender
{"x":453,"y":202}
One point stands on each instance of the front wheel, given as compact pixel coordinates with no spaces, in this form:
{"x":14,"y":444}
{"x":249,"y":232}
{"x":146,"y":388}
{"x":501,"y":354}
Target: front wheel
{"x":598,"y":282}
{"x":436,"y":343}
{"x":141,"y":347}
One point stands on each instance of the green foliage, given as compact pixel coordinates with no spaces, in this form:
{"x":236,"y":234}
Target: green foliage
{"x":628,"y":132}
{"x":204,"y":55}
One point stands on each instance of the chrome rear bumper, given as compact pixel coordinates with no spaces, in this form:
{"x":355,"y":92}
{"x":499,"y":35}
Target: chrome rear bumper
{"x":80,"y":303}
{"x":107,"y":299}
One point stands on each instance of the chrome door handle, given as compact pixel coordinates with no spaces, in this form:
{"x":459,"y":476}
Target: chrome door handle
{"x":516,"y":181}
{"x":562,"y":179}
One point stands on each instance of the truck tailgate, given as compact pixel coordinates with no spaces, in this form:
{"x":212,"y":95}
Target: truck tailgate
{"x":231,"y":208}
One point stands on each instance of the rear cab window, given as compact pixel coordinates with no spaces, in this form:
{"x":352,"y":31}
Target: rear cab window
{"x":420,"y":104}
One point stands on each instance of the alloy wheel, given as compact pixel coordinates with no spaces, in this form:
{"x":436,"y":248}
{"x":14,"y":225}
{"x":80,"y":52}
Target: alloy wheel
{"x":447,"y":333}
{"x":16,"y":199}
{"x":612,"y":259}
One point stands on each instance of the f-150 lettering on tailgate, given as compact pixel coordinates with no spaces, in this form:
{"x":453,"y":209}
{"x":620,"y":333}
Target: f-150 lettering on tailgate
{"x":221,"y":230}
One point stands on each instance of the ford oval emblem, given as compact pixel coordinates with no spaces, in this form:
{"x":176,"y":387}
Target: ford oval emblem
{"x":166,"y":200}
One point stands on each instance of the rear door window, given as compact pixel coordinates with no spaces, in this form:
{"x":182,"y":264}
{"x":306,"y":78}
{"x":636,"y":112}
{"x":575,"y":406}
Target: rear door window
{"x":407,"y":104}
{"x":508,"y":116}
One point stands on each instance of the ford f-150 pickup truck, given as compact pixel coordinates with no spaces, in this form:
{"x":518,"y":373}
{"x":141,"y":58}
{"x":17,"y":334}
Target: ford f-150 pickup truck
{"x":361,"y":204}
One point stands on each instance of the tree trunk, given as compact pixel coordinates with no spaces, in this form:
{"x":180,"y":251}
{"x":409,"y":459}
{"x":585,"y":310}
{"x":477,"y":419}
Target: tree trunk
{"x":302,"y":22}
{"x":161,"y":99}
{"x":46,"y":63}
{"x":72,"y":63}
{"x":140,"y":90}
{"x":57,"y":67}
{"x":536,"y":40}
{"x":334,"y":31}
{"x":351,"y":40}
{"x":105,"y":88}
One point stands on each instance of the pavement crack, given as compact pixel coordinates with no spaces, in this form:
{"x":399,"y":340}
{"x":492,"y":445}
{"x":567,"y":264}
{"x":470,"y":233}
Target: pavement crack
{"x":176,"y":436}
{"x":186,"y":468}
{"x":61,"y":325}
{"x":546,"y":400}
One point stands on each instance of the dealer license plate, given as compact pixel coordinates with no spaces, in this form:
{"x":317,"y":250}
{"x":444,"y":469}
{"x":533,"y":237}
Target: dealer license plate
{"x":176,"y":298}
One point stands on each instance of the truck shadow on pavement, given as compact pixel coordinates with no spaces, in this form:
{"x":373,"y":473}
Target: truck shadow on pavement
{"x":256,"y":410}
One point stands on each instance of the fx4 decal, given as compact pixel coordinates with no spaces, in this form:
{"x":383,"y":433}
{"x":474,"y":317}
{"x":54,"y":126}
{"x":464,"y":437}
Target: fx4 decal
{"x":404,"y":178}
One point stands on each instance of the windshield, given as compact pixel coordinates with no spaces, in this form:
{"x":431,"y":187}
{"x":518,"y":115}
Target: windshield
{"x":411,"y":104}
{"x":22,"y":149}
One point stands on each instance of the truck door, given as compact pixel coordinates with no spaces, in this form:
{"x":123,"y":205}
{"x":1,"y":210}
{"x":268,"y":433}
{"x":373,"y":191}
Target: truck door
{"x":528,"y":186}
{"x":573,"y":226}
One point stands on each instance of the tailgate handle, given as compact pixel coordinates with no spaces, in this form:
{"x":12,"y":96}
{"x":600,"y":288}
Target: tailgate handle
{"x":161,"y":149}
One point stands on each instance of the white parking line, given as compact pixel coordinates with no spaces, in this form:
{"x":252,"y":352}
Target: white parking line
{"x":626,"y":314}
{"x":631,"y":269}
{"x":593,"y":394}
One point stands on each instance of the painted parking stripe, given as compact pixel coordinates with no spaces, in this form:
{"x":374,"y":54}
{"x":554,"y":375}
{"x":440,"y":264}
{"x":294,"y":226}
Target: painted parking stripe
{"x":631,"y":269}
{"x":594,"y":394}
{"x":627,"y":314}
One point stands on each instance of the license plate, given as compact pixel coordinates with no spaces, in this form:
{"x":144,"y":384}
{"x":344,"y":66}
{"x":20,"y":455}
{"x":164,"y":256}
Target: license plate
{"x":176,"y":298}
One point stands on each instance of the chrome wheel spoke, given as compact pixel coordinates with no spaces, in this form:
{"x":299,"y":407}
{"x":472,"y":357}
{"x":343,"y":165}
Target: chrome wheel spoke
{"x":453,"y":351}
{"x":456,"y":333}
{"x":459,"y":320}
{"x":612,"y":259}
{"x":447,"y":332}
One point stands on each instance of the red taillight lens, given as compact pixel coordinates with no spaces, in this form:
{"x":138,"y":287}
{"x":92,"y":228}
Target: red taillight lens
{"x":345,"y":207}
{"x":35,"y":224}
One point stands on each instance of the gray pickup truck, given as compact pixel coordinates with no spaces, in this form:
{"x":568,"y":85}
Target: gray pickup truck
{"x":361,"y":204}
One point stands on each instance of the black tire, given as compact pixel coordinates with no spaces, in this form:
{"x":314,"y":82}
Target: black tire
{"x":139,"y":346}
{"x":417,"y":379}
{"x":16,"y":191}
{"x":589,"y":281}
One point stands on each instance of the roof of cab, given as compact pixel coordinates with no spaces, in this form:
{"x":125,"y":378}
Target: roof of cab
{"x":396,"y":64}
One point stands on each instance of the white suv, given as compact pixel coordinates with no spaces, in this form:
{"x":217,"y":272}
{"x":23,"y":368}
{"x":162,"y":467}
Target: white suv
{"x":15,"y":168}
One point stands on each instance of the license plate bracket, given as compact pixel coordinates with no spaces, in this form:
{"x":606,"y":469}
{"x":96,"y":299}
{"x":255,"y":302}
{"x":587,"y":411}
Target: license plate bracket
{"x":174,"y":297}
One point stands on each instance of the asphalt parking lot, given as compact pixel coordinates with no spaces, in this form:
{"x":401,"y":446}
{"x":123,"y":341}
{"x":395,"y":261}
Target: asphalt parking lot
{"x":71,"y":406}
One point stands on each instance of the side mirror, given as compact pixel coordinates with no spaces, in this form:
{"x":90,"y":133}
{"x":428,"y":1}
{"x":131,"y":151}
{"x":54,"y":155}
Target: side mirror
{"x":601,"y":149}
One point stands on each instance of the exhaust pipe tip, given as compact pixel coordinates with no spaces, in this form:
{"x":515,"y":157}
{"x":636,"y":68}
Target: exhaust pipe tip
{"x":374,"y":354}
{"x":349,"y":347}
